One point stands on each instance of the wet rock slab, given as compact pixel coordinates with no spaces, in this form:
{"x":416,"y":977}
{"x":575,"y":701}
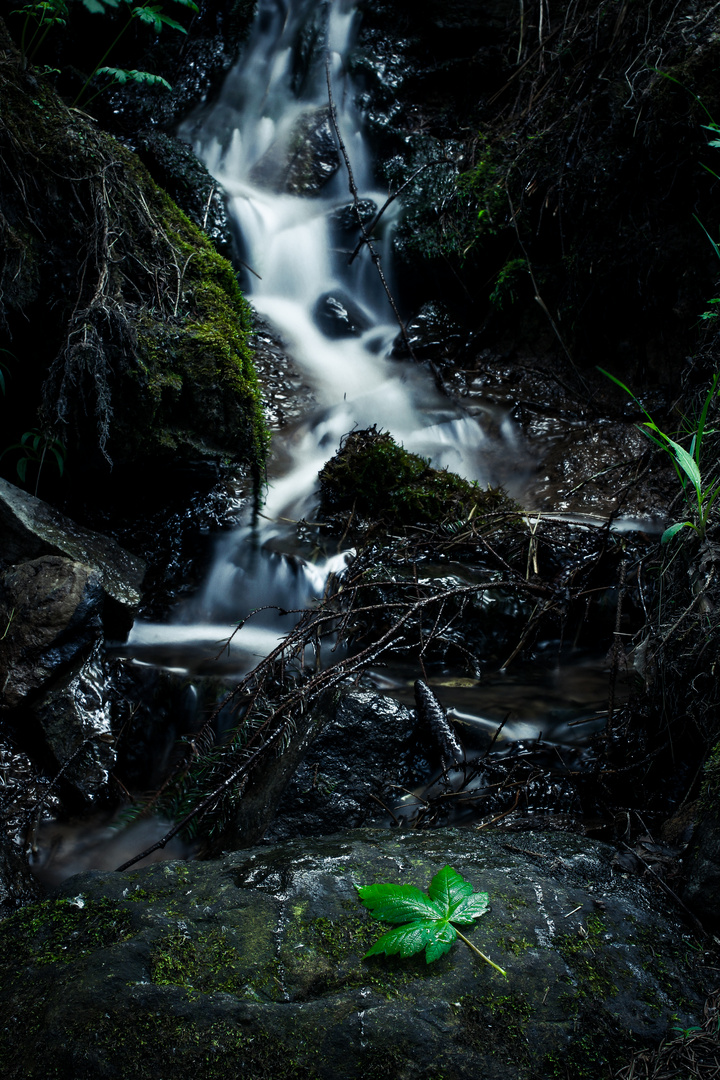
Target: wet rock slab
{"x":253,"y":966}
{"x":31,"y":528}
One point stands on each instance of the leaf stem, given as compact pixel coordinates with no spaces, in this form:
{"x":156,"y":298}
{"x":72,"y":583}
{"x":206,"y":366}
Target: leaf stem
{"x":481,"y":954}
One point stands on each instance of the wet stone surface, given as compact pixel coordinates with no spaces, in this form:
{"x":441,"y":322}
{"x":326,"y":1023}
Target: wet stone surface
{"x":254,"y":964}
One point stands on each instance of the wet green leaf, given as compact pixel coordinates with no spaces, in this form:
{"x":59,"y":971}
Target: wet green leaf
{"x":428,"y":919}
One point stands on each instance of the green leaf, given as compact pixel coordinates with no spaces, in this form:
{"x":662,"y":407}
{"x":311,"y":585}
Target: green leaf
{"x":428,"y":919}
{"x":688,"y":464}
{"x":413,"y":938}
{"x":672,"y":530}
{"x":448,"y":889}
{"x":167,"y":21}
{"x":471,"y":908}
{"x":398,"y":903}
{"x":97,"y":7}
{"x":188,"y":4}
{"x":123,"y":75}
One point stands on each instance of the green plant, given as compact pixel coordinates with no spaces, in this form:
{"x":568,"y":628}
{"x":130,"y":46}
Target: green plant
{"x":428,"y":918}
{"x":150,"y":14}
{"x":35,"y":447}
{"x":700,"y":495}
{"x":44,"y":14}
{"x":686,"y":1033}
{"x":506,"y":283}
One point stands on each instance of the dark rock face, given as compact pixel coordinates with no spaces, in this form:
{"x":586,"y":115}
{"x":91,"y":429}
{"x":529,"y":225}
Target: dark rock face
{"x":702,"y":889}
{"x":345,"y":218}
{"x":254,"y":966}
{"x":23,"y":792}
{"x":175,"y":167}
{"x":31,"y":528}
{"x":133,"y":370}
{"x":367,"y":745}
{"x":51,"y":613}
{"x":432,"y":334}
{"x":301,"y":162}
{"x":338,"y":317}
{"x":75,"y":720}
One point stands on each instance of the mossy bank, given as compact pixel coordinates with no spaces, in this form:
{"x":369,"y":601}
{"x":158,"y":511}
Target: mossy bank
{"x":125,"y":332}
{"x":255,"y":965}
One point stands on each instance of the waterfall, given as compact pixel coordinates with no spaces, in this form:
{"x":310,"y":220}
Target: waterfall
{"x":289,"y":240}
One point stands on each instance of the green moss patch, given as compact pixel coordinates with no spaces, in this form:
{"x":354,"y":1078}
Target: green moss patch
{"x":61,"y":931}
{"x":374,"y":478}
{"x":206,"y":963}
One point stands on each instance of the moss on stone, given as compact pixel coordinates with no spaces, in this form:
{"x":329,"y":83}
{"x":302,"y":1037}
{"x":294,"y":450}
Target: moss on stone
{"x":327,"y":955}
{"x":373,"y":477}
{"x":585,"y":955}
{"x":61,"y":931}
{"x":495,"y":1022}
{"x":205,"y":963}
{"x":134,"y":329}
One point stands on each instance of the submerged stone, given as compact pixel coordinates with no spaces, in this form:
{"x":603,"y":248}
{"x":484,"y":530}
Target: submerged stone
{"x":254,"y":966}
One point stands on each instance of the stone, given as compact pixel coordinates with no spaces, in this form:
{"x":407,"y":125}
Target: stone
{"x":433,"y":335}
{"x":25,"y":794}
{"x":366,"y":746}
{"x":51,"y":614}
{"x":30,"y":528}
{"x":176,"y":168}
{"x":344,"y":219}
{"x":75,"y":718}
{"x":338,"y":316}
{"x":303,"y":160}
{"x":254,"y":965}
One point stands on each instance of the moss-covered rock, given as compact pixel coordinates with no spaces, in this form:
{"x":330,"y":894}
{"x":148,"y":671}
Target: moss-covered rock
{"x":376,"y":479}
{"x":255,"y":966}
{"x":127,"y":330}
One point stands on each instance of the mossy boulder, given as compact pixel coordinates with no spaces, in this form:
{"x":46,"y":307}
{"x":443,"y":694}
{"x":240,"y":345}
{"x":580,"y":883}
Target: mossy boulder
{"x":126,"y":331}
{"x":254,"y":966}
{"x":374,"y":478}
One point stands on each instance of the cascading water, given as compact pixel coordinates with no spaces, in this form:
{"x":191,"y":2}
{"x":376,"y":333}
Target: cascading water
{"x":300,"y":283}
{"x":253,"y":142}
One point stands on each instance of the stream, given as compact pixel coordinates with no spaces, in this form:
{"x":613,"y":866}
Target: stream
{"x":338,"y":327}
{"x":334,"y":320}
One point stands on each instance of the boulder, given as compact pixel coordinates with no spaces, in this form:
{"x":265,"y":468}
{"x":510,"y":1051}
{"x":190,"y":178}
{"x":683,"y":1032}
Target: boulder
{"x":24,"y":794}
{"x":254,"y":966}
{"x":30,"y":528}
{"x":366,"y":746}
{"x":344,"y":219}
{"x":176,"y":168}
{"x":433,"y":335}
{"x":303,"y":160}
{"x":51,"y":614}
{"x":338,"y":316}
{"x":75,"y":718}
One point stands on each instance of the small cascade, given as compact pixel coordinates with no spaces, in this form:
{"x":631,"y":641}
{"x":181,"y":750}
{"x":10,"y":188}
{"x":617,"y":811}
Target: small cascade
{"x":334,"y":318}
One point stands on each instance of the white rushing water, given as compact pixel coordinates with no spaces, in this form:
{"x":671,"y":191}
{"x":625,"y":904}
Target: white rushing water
{"x":288,"y":242}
